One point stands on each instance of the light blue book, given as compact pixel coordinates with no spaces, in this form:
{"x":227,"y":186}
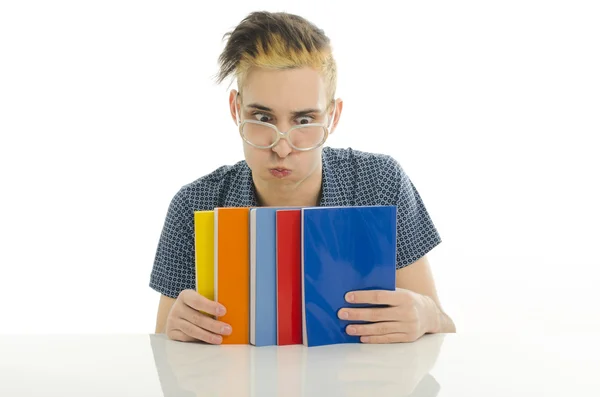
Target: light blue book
{"x":263,"y":276}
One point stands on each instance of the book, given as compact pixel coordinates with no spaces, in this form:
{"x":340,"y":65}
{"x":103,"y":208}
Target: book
{"x":289,"y":295}
{"x":204,"y":253}
{"x":343,"y":249}
{"x":263,"y":293}
{"x":231,"y":270}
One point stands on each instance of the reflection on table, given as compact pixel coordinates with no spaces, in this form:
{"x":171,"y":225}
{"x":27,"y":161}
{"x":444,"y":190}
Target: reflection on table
{"x":194,"y":369}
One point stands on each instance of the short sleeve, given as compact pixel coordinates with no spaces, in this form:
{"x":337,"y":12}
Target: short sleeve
{"x":416,"y":233}
{"x":174,"y":264}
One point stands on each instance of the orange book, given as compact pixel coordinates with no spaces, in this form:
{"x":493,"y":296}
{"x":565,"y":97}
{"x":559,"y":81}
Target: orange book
{"x":232,"y":271}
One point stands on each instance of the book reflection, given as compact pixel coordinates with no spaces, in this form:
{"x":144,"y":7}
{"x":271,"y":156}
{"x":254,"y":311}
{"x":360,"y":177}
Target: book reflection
{"x":195,"y":369}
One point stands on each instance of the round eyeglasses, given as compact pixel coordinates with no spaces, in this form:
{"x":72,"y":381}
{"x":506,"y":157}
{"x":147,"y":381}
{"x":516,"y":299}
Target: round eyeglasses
{"x":302,"y":137}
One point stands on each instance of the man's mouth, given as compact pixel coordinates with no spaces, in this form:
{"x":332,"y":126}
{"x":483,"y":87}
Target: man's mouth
{"x":279,"y":172}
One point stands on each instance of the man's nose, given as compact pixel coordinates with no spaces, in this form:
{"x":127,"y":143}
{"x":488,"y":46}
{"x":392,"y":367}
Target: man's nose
{"x":283,"y":147}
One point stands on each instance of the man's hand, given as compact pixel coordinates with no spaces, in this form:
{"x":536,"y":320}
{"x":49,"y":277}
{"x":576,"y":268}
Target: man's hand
{"x":189,"y":319}
{"x":407,"y":317}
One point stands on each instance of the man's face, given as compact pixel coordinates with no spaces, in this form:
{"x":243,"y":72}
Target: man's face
{"x":277,"y":97}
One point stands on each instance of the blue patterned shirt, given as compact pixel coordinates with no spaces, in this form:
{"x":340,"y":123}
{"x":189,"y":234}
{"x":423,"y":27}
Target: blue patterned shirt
{"x":350,"y":178}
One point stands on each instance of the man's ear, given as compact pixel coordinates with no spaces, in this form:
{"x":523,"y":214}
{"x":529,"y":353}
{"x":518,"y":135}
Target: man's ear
{"x":233,"y":95}
{"x":336,"y":113}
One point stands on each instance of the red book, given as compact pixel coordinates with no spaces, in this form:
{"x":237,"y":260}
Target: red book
{"x":289,"y":291}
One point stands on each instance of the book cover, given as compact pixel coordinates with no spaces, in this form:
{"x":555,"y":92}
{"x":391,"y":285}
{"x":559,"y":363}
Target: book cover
{"x":231,"y":270}
{"x":204,"y":253}
{"x":289,"y":294}
{"x":343,"y":249}
{"x":263,"y":293}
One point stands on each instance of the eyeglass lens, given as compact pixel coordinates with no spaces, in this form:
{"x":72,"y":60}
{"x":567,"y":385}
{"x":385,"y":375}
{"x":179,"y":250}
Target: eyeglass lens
{"x":302,"y":137}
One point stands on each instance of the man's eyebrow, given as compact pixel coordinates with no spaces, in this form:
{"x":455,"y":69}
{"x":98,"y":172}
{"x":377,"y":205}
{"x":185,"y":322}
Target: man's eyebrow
{"x":296,"y":113}
{"x":260,"y":107}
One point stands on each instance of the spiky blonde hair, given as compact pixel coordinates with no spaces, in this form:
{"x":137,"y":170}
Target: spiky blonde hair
{"x":277,"y":41}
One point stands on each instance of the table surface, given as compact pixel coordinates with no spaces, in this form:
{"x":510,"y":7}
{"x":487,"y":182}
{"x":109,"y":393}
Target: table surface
{"x":435,"y":365}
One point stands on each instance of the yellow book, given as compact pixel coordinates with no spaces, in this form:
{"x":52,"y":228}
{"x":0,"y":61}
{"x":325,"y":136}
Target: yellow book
{"x":204,"y":231}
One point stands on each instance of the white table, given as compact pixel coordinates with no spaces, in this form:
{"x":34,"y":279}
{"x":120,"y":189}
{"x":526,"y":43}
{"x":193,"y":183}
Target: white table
{"x":435,"y":365}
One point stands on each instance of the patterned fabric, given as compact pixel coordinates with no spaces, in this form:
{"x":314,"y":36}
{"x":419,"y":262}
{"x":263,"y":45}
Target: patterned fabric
{"x":350,"y":178}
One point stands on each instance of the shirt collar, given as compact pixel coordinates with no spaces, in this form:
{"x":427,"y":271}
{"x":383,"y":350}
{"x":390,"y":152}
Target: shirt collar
{"x":335,"y":190}
{"x":242,"y":192}
{"x":327,"y":180}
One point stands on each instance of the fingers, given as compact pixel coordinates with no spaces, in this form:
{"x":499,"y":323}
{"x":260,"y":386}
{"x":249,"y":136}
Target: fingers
{"x":192,"y":332}
{"x":374,"y":314}
{"x":176,"y":334}
{"x":190,"y":319}
{"x":198,"y":302}
{"x":385,"y":332}
{"x":381,"y":297}
{"x":369,"y":314}
{"x":201,"y":320}
{"x":389,"y":338}
{"x":191,"y":325}
{"x":382,"y":328}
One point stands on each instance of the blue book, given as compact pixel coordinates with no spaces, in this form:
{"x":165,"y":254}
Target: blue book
{"x":263,"y":277}
{"x":343,"y":249}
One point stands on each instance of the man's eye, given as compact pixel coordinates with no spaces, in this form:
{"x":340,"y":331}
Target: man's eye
{"x":261,"y":117}
{"x":305,"y":120}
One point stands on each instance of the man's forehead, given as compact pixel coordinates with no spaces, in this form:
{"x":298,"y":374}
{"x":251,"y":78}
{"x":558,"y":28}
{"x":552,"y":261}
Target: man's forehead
{"x":291,"y":89}
{"x":292,"y":105}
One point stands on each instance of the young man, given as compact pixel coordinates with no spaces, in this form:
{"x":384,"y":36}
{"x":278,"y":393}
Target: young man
{"x":284,"y":111}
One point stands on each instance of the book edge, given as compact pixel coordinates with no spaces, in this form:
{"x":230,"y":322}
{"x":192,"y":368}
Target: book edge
{"x":253,"y":276}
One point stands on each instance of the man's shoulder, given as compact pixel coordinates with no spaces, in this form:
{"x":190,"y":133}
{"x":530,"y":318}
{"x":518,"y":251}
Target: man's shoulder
{"x":349,"y":159}
{"x":220,"y":175}
{"x":209,"y":190}
{"x":366,"y":177}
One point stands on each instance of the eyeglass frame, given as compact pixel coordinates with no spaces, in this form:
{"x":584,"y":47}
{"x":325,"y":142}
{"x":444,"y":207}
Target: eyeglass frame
{"x":285,"y":134}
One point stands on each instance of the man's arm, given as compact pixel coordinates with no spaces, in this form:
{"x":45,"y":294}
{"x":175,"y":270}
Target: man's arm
{"x":164,"y":307}
{"x":418,"y":278}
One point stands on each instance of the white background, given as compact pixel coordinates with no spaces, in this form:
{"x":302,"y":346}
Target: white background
{"x":493,"y":109}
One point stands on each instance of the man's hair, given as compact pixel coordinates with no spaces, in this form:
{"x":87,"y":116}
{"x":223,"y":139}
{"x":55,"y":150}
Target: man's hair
{"x":277,"y":41}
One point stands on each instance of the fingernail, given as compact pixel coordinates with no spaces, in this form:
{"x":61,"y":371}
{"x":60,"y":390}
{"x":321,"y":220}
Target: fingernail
{"x":220,"y":310}
{"x":350,"y":297}
{"x":344,"y":315}
{"x":226,"y":330}
{"x":351,"y":330}
{"x":217,"y":339}
{"x":365,"y":339}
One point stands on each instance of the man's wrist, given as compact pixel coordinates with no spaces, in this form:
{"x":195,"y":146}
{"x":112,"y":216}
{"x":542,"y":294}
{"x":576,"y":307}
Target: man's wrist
{"x":438,"y":321}
{"x":433,"y":317}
